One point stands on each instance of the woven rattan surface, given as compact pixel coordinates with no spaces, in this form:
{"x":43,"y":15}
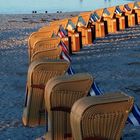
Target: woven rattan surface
{"x":35,"y":37}
{"x":51,"y":53}
{"x":43,"y":44}
{"x":40,"y":71}
{"x":60,"y":94}
{"x":100,"y":116}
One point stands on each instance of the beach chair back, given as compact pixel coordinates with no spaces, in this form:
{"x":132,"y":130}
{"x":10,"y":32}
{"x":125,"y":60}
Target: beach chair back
{"x":46,"y":43}
{"x":60,"y":94}
{"x":101,"y":117}
{"x":35,"y":37}
{"x":51,"y":53}
{"x":39,"y":72}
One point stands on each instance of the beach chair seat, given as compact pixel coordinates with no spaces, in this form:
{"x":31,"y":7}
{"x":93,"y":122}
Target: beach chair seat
{"x":102,"y":116}
{"x":60,"y":94}
{"x":39,"y":72}
{"x":51,"y":53}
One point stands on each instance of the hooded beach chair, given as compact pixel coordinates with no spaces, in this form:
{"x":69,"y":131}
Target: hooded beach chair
{"x":100,"y":117}
{"x":130,"y":16}
{"x":60,"y":94}
{"x":119,"y":15}
{"x":136,"y":8}
{"x":36,"y":36}
{"x":51,"y":53}
{"x":44,"y":43}
{"x":100,"y":25}
{"x":109,"y":16}
{"x":58,"y":31}
{"x":68,"y":25}
{"x":82,"y":27}
{"x":39,"y":72}
{"x":87,"y":18}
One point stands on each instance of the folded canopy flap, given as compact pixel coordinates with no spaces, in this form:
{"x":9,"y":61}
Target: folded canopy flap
{"x":86,"y":17}
{"x":82,"y":104}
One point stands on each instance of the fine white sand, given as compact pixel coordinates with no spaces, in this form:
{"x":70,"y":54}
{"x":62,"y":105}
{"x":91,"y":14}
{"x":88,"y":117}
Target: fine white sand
{"x":114,"y":61}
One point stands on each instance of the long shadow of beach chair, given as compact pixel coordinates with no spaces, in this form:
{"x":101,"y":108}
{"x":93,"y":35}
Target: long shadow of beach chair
{"x":51,"y":53}
{"x":60,"y":94}
{"x":100,"y":117}
{"x":40,"y":71}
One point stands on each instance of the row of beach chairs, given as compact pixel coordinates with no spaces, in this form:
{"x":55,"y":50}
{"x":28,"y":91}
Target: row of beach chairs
{"x":83,"y":29}
{"x":60,"y":101}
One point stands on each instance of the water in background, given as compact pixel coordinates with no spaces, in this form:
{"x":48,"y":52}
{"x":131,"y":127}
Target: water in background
{"x":27,"y":6}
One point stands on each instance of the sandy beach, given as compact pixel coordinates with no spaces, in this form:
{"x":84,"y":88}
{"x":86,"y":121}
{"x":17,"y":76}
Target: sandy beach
{"x":114,"y":61}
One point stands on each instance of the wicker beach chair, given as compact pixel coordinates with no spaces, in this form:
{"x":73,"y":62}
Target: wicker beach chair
{"x":60,"y":94}
{"x":43,"y":44}
{"x":40,"y":71}
{"x":136,"y":9}
{"x":100,"y":117}
{"x":130,"y":16}
{"x":86,"y":32}
{"x":36,"y":36}
{"x":109,"y":16}
{"x":99,"y":23}
{"x":120,"y":17}
{"x":51,"y":53}
{"x":69,"y":26}
{"x":87,"y":18}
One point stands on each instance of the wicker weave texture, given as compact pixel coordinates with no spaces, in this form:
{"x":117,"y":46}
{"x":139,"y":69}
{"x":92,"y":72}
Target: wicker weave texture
{"x":40,"y":71}
{"x":60,"y":94}
{"x":101,"y":116}
{"x":51,"y":53}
